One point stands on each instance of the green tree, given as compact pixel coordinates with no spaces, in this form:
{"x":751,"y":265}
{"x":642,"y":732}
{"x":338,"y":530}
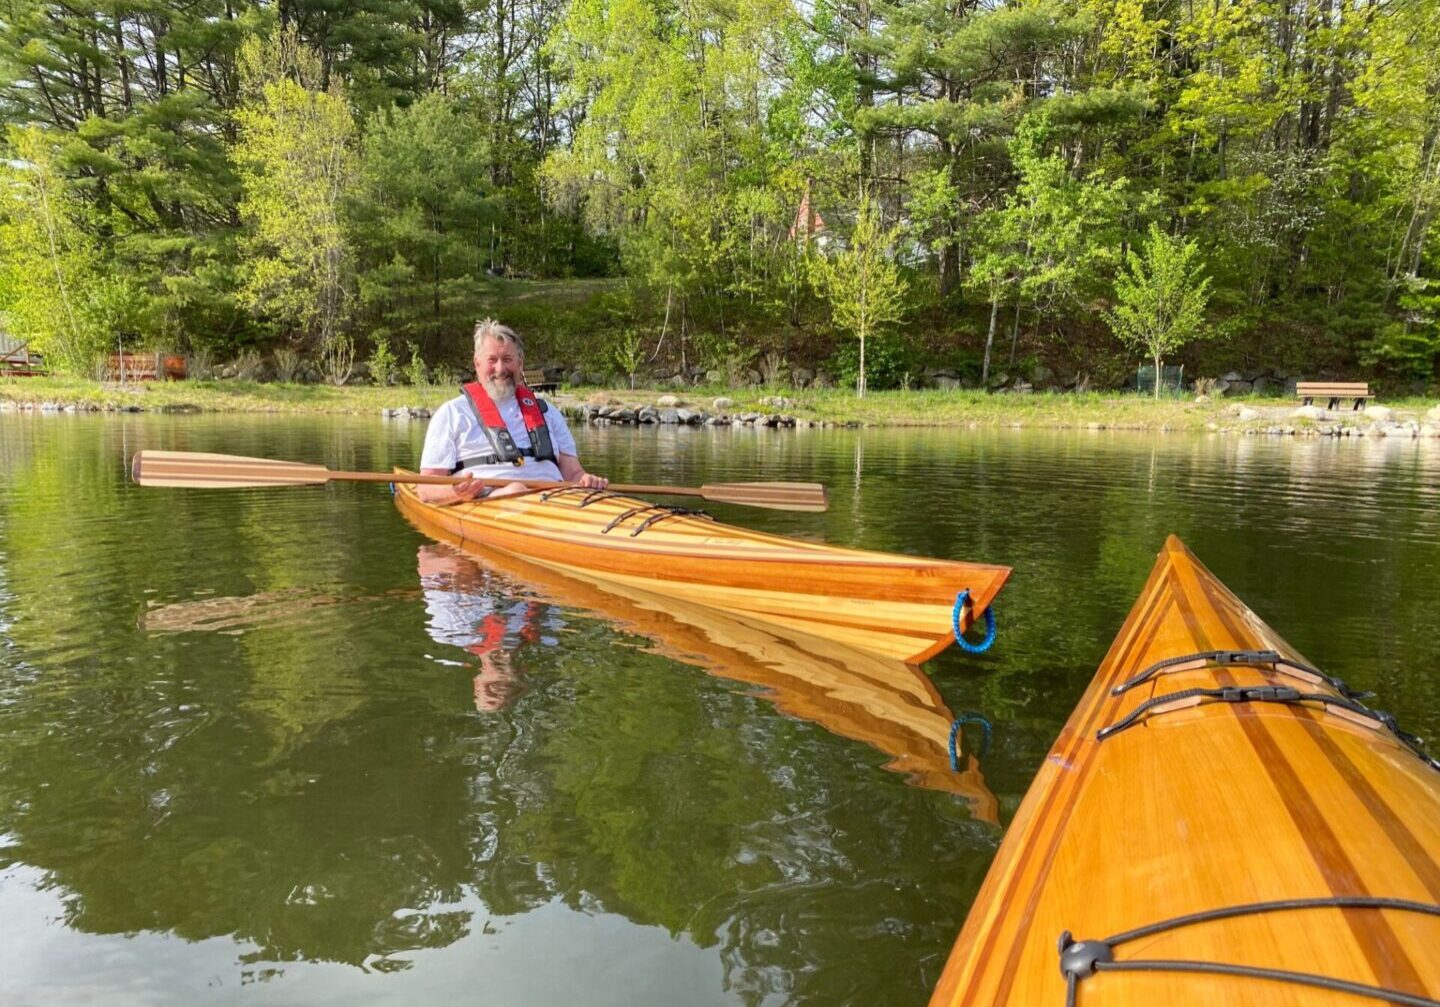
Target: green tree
{"x":49,"y":265}
{"x":1160,"y":297}
{"x":421,"y":219}
{"x":862,"y":283}
{"x":298,"y":166}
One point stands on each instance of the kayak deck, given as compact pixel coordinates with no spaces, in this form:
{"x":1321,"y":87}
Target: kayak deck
{"x":1204,"y":787}
{"x":897,"y":606}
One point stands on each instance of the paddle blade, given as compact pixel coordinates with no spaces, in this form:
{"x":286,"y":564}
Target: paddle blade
{"x":776,"y":496}
{"x":207,"y":471}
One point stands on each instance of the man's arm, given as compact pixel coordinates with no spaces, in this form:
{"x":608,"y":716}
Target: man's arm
{"x":574,"y":472}
{"x":438,"y":493}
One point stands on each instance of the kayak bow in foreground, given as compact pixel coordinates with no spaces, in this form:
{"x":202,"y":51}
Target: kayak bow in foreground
{"x":1218,"y":823}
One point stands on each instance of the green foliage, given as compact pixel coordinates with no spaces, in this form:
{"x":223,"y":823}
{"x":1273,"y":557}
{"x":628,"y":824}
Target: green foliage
{"x":416,"y":373}
{"x":627,"y":353}
{"x":51,"y":278}
{"x":1410,"y":346}
{"x":887,"y":364}
{"x":298,"y":169}
{"x":383,"y":365}
{"x":421,"y":202}
{"x":1161,"y":297}
{"x":192,"y":176}
{"x":862,"y":284}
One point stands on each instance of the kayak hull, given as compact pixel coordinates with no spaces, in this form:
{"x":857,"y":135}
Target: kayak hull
{"x":1203,"y":808}
{"x":896,"y":606}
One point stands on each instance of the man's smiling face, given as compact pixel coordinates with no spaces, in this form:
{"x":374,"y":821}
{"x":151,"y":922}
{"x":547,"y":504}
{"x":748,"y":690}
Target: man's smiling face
{"x":499,"y":367}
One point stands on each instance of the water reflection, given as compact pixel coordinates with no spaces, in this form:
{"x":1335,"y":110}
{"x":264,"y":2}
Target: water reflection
{"x":889,"y":705}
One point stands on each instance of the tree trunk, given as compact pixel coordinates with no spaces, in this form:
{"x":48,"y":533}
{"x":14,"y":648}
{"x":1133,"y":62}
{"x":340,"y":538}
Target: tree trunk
{"x":990,"y":339}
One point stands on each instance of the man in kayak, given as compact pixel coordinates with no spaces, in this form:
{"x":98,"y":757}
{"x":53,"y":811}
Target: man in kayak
{"x":497,"y":429}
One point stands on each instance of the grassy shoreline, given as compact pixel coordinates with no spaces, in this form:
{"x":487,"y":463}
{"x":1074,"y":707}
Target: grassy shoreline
{"x":929,"y":408}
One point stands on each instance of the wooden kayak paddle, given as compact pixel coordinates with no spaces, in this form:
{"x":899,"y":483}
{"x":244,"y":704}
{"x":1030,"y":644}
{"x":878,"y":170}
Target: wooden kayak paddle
{"x":199,"y":470}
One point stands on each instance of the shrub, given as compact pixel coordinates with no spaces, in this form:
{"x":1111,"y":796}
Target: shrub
{"x":248,"y":366}
{"x":415,"y":371}
{"x":383,"y":365}
{"x":288,"y":364}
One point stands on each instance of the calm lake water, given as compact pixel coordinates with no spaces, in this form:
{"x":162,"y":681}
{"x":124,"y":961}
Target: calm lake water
{"x":272,"y":747}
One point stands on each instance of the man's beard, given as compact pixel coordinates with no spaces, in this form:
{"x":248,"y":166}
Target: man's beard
{"x":500,"y":389}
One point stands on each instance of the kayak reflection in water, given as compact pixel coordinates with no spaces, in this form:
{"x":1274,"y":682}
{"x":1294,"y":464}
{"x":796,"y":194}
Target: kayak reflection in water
{"x":474,"y":610}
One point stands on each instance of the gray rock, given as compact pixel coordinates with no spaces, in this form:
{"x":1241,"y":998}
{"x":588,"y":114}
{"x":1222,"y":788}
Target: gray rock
{"x":686,"y":415}
{"x":1237,"y":387}
{"x":667,"y":401}
{"x":1430,"y":430}
{"x":1290,"y":386}
{"x":1433,"y":416}
{"x":1231,"y":376}
{"x":1309,"y":413}
{"x":1380,"y":414}
{"x":648,"y":414}
{"x":946,"y":383}
{"x":715,"y":377}
{"x":748,"y":418}
{"x":722,"y":403}
{"x":777,"y":402}
{"x":1258,"y":384}
{"x":1247,"y":415}
{"x":802,"y":376}
{"x":669,"y":416}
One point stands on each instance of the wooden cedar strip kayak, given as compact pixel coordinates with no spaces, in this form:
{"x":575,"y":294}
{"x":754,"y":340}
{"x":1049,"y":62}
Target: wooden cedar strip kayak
{"x":1142,"y":814}
{"x":889,"y":705}
{"x":892,"y":605}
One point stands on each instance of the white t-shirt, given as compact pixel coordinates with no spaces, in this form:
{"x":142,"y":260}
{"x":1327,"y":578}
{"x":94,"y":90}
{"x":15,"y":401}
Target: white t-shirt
{"x":455,"y":434}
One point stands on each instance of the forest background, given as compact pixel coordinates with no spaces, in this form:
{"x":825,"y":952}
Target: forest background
{"x":696,"y":186}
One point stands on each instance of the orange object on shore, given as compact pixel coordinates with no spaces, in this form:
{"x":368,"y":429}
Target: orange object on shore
{"x":899,"y":607}
{"x":1218,"y":823}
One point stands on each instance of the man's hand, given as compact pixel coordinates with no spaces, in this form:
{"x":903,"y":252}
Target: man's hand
{"x":591,"y":481}
{"x":469,"y":489}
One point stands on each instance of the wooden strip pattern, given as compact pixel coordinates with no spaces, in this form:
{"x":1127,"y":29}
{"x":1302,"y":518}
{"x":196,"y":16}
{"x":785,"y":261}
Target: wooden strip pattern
{"x":896,"y":606}
{"x":1215,"y":805}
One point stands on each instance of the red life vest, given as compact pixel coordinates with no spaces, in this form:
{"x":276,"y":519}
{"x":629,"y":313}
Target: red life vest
{"x":492,"y":628}
{"x":502,"y":445}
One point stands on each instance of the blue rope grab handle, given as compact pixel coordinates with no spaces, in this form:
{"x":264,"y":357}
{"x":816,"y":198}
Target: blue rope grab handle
{"x":983,"y":645}
{"x":969,"y":717}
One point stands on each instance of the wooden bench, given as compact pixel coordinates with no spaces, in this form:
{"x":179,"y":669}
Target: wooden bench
{"x":19,"y":361}
{"x":1334,"y":391}
{"x":145,"y":367}
{"x":535,"y":381}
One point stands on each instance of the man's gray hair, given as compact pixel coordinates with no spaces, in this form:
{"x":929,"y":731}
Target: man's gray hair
{"x":488,"y":328}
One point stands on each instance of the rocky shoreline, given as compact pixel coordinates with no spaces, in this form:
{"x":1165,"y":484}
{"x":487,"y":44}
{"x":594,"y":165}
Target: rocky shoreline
{"x":1252,"y":418}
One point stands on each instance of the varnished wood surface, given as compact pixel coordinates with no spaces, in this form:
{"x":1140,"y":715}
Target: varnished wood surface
{"x":1216,"y":805}
{"x":884,"y":603}
{"x":889,"y":705}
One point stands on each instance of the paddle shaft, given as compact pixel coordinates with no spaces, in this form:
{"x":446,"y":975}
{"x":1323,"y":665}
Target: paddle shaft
{"x":200,"y":470}
{"x":538,"y":484}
